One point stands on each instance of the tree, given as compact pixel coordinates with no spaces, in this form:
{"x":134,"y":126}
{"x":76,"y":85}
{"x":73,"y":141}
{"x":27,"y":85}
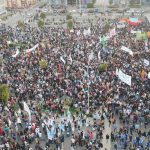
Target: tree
{"x":20,"y":24}
{"x":90,"y":5}
{"x":70,"y":24}
{"x":4,"y":93}
{"x":68,"y":17}
{"x":40,"y":24}
{"x":106,"y":28}
{"x":42,"y":16}
{"x":134,"y":2}
{"x":103,"y":67}
{"x":43,"y":63}
{"x":110,"y":2}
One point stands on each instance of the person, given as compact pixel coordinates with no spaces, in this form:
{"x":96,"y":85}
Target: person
{"x":107,"y":137}
{"x":115,"y":146}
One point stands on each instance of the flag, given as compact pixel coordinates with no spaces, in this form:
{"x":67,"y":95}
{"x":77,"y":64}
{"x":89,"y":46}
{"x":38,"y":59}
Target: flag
{"x":117,"y":71}
{"x":112,"y":32}
{"x":59,"y":70}
{"x":149,"y":75}
{"x":146,"y":62}
{"x":115,"y":41}
{"x":62,"y":59}
{"x":91,"y":56}
{"x":99,"y":55}
{"x":142,"y":73}
{"x":16,"y":54}
{"x":70,"y":58}
{"x":78,"y":32}
{"x":26,"y":108}
{"x":102,"y":40}
{"x":87,"y":32}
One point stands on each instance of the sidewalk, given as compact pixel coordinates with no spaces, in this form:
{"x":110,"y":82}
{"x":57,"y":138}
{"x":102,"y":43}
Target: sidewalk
{"x":107,"y":130}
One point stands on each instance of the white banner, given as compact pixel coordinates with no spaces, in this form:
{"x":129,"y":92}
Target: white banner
{"x":32,"y":49}
{"x":135,"y":32}
{"x":87,"y":32}
{"x":127,"y":50}
{"x":26,"y":108}
{"x":124,"y":77}
{"x":119,"y":26}
{"x":146,"y":62}
{"x":16,"y":54}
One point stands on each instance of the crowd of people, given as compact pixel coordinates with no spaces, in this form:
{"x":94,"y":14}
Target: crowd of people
{"x":71,"y":99}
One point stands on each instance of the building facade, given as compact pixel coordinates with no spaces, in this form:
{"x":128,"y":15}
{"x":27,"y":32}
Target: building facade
{"x":146,"y":2}
{"x":69,"y":2}
{"x":17,"y":4}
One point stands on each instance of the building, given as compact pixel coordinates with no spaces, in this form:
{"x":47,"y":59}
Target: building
{"x":17,"y":4}
{"x":69,"y":2}
{"x":145,"y":2}
{"x":2,"y":7}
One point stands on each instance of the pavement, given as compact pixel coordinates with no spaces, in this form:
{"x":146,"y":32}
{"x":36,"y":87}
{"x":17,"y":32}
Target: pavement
{"x":67,"y":142}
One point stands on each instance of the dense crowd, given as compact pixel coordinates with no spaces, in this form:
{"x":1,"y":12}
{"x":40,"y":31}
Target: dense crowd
{"x":58,"y":95}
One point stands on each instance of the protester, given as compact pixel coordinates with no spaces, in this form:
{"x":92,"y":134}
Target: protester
{"x":70,"y":97}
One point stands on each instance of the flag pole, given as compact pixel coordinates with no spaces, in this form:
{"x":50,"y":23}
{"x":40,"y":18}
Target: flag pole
{"x":88,"y":88}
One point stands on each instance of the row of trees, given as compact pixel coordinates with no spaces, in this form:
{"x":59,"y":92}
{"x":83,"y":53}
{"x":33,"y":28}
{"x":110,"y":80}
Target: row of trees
{"x":40,"y":22}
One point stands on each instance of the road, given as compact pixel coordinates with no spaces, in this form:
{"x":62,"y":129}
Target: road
{"x":20,"y":16}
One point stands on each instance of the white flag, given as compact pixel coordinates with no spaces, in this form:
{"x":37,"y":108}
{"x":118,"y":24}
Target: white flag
{"x":146,"y":62}
{"x":91,"y":56}
{"x":99,"y":55}
{"x":78,"y":32}
{"x":124,"y":77}
{"x":127,"y":50}
{"x":62,"y":59}
{"x":112,"y":32}
{"x":149,"y":75}
{"x":16,"y":54}
{"x":32,"y":49}
{"x":26,"y":108}
{"x":117,"y":71}
{"x":87,"y":32}
{"x":70,"y":58}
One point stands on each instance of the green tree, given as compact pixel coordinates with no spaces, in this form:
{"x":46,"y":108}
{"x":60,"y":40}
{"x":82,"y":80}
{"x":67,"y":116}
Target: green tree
{"x":110,"y":2}
{"x":40,"y":23}
{"x":68,"y":17}
{"x":103,"y":67}
{"x":20,"y":24}
{"x":90,"y":5}
{"x":94,"y":1}
{"x":43,"y":16}
{"x":70,"y":24}
{"x":43,"y":63}
{"x":106,"y":28}
{"x":4,"y":93}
